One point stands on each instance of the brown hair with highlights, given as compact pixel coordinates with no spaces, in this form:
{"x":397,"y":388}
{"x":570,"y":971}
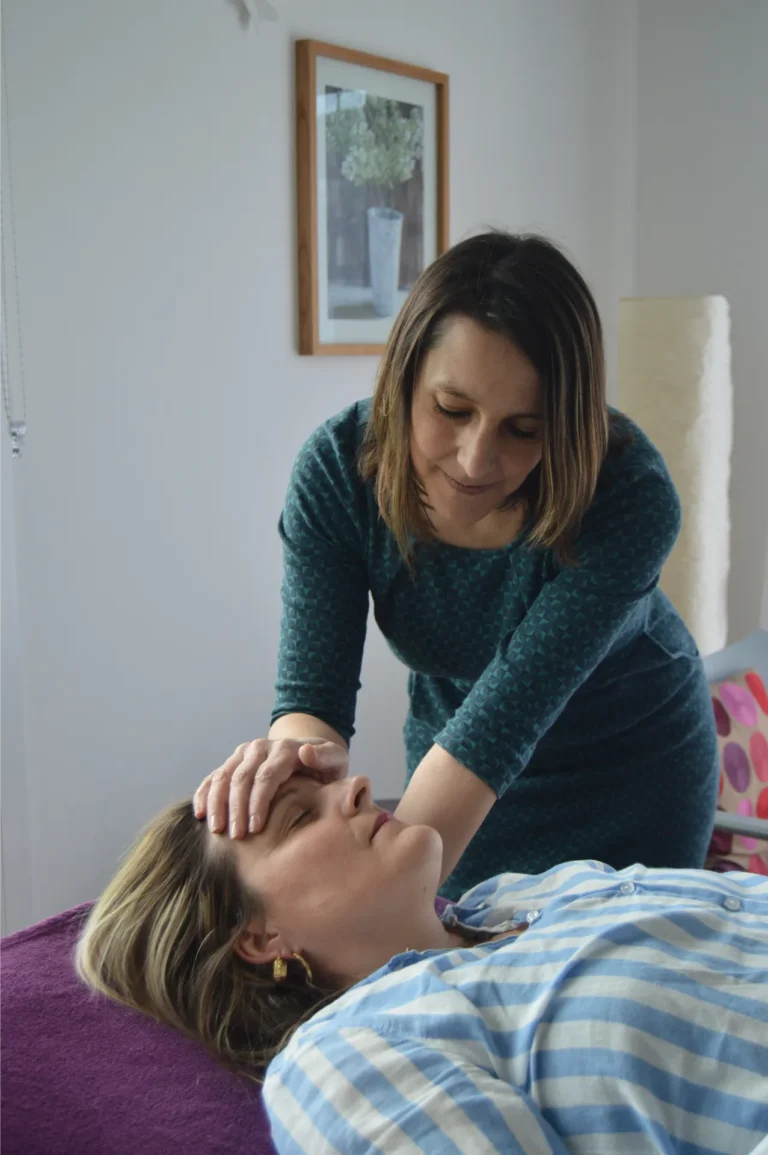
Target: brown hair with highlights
{"x":161,"y":940}
{"x":524,"y":288}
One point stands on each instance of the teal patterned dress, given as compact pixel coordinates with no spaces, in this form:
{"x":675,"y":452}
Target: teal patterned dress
{"x":576,"y":693}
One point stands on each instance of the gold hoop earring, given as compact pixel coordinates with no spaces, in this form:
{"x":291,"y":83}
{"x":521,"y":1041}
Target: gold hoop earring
{"x":280,"y":968}
{"x":305,"y":964}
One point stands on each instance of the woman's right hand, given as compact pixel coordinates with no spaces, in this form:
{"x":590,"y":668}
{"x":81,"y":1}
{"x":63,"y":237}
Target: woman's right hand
{"x":240,"y":792}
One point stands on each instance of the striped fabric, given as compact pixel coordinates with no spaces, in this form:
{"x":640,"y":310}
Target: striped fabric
{"x":631,"y":1016}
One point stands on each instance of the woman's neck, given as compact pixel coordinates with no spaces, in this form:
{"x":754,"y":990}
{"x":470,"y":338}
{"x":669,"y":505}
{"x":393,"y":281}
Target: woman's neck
{"x":420,"y":935}
{"x":496,"y":531}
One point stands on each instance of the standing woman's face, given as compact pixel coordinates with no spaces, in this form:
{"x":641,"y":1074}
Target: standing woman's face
{"x":476,"y":425}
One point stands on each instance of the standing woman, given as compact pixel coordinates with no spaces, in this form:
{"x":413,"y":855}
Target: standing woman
{"x":511,"y":530}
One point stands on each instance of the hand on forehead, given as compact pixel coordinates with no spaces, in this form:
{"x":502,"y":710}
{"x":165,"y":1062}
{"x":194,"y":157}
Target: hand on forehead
{"x":299,"y":784}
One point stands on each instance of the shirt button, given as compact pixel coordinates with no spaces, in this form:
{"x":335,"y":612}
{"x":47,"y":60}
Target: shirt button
{"x":532,"y":915}
{"x":732,"y":904}
{"x":627,"y":888}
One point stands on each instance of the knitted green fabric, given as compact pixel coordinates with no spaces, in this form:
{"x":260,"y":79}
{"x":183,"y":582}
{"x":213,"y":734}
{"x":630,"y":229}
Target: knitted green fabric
{"x":576,"y":693}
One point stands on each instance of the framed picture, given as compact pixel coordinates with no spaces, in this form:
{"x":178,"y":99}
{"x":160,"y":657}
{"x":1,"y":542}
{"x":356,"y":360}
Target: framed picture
{"x":372,"y":185}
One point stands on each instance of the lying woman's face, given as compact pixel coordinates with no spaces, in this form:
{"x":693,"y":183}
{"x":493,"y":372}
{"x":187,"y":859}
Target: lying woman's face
{"x":337,"y":883}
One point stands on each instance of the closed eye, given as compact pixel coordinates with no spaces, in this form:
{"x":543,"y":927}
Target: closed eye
{"x":460,"y":414}
{"x":454,"y":413}
{"x":301,"y":819}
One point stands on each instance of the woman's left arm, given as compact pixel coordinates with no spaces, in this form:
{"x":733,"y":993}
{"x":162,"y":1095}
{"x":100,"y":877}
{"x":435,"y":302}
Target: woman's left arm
{"x":444,"y":794}
{"x":570,"y":627}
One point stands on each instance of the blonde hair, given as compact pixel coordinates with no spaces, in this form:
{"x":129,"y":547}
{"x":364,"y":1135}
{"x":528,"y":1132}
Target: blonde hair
{"x":161,"y":940}
{"x":524,"y":288}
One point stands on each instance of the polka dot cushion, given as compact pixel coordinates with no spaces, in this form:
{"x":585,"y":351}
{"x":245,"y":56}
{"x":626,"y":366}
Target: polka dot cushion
{"x":741,"y":715}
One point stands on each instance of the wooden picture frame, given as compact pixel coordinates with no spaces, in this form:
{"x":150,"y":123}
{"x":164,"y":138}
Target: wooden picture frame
{"x":372,"y":192}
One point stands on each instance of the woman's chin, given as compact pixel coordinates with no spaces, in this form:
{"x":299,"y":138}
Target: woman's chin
{"x":419,"y":855}
{"x":462,"y":512}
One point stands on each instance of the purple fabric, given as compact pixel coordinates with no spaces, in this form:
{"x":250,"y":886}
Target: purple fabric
{"x":83,"y":1075}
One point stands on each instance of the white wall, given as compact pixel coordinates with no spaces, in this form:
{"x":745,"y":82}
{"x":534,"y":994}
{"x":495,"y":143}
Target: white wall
{"x":153,"y":163}
{"x":16,"y":865}
{"x":702,"y":203}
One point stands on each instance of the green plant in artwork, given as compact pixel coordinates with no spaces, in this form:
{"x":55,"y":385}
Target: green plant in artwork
{"x":379,"y":143}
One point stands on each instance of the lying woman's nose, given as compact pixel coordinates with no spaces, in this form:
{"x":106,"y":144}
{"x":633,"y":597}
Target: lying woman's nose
{"x":356,"y":795}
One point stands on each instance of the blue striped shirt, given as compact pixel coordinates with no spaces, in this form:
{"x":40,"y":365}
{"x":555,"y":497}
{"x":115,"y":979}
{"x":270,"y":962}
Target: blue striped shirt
{"x":631,"y":1016}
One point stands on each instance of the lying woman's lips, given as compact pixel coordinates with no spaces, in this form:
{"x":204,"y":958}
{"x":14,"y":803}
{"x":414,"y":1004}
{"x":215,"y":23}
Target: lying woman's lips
{"x":381,"y":820}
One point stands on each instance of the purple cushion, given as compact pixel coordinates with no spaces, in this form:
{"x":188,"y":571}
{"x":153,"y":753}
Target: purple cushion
{"x":81,"y":1074}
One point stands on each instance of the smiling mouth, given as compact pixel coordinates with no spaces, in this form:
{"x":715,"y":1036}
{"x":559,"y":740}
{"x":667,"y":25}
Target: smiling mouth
{"x":383,"y":818}
{"x":468,"y":490}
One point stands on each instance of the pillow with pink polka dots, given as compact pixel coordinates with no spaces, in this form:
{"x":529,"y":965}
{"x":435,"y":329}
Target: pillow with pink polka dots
{"x":741,"y":715}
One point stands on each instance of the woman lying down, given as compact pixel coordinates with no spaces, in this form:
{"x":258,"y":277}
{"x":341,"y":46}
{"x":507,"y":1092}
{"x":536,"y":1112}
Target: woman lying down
{"x":579,"y":1010}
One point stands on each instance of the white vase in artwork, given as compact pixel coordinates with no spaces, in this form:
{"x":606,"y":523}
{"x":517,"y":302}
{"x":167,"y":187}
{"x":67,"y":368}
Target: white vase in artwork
{"x":385,"y":231}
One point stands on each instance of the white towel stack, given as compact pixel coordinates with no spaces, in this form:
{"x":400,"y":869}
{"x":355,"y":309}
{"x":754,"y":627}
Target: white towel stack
{"x":675,"y":382}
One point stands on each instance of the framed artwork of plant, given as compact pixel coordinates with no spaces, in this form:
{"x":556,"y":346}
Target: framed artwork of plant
{"x":372,"y":191}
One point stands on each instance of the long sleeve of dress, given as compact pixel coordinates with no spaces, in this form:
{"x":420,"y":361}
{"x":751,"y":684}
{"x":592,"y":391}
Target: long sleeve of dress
{"x":572,"y":624}
{"x":324,"y":589}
